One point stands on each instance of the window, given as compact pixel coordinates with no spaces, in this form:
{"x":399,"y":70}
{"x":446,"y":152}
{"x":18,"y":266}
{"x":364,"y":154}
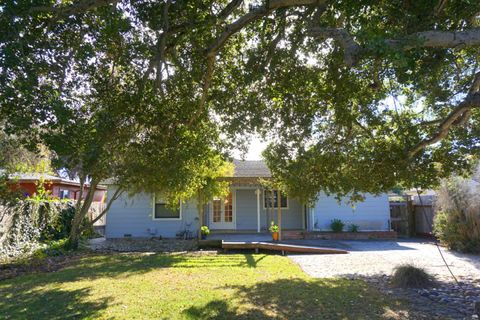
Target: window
{"x":269,"y":201}
{"x":162,"y":211}
{"x":228,"y":208}
{"x":224,"y":206}
{"x":217,"y":210}
{"x":64,"y":194}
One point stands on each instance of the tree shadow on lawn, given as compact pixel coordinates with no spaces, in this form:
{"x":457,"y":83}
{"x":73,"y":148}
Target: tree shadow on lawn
{"x":303,"y":299}
{"x":50,"y":304}
{"x":124,"y":265}
{"x":132,"y":264}
{"x":27,"y":297}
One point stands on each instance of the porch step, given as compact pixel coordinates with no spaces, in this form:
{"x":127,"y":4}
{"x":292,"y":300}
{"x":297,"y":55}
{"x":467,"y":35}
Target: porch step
{"x":279,"y":247}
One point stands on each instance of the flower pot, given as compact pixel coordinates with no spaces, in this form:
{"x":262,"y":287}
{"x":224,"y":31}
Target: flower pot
{"x":275,"y":236}
{"x":204,"y":237}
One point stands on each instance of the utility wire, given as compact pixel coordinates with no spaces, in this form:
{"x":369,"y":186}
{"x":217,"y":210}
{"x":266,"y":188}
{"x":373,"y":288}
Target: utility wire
{"x":460,"y":285}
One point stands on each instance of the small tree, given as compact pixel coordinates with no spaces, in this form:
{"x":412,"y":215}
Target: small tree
{"x":213,"y":186}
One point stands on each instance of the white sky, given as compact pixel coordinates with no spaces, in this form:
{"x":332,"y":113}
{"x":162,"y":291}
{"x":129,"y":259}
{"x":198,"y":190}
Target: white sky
{"x":254,"y":151}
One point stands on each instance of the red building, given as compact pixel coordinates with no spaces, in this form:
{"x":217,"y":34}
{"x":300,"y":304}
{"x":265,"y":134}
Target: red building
{"x":59,"y":187}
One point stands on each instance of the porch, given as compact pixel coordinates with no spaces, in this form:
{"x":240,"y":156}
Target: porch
{"x":248,"y":211}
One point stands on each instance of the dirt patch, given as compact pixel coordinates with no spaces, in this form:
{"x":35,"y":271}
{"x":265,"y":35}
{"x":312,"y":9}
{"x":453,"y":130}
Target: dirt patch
{"x":142,"y":245}
{"x":35,"y":265}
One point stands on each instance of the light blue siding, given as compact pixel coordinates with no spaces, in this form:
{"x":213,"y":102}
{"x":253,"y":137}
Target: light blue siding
{"x":371,"y":214}
{"x":133,"y":215}
{"x":246,"y":210}
{"x":246,"y":205}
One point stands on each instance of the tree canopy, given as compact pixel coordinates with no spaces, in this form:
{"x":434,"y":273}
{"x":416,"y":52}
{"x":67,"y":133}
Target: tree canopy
{"x":356,"y":96}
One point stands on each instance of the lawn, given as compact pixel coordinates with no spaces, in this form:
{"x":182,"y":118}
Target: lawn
{"x":188,"y":286}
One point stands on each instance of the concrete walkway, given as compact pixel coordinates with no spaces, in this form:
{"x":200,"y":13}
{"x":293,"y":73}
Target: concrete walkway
{"x":381,"y":257}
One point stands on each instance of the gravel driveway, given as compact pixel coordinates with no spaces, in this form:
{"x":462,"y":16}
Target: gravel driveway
{"x":380,"y":257}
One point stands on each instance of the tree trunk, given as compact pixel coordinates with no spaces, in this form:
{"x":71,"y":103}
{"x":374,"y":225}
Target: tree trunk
{"x":201,"y":213}
{"x":80,"y":213}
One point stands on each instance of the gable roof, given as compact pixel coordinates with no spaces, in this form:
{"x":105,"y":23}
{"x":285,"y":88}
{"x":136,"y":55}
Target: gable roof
{"x":251,"y":169}
{"x":242,"y":169}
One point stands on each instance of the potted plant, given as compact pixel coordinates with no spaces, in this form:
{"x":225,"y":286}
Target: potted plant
{"x":274,"y":231}
{"x":205,"y":232}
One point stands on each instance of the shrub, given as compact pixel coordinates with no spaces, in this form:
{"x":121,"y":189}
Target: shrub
{"x":457,"y":219}
{"x":27,"y":225}
{"x":410,"y":276}
{"x":353,"y":228}
{"x":337,"y":225}
{"x":204,"y":230}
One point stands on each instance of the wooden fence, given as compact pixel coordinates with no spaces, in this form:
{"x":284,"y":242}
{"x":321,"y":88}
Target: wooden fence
{"x":95,"y":209}
{"x":409,"y":219}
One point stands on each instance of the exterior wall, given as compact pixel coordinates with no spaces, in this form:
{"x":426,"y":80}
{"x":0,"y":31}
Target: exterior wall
{"x":134,"y":216}
{"x":371,"y":214}
{"x":246,"y":205}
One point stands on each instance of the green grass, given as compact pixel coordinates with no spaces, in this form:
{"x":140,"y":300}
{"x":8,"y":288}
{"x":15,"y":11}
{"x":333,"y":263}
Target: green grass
{"x":188,"y":286}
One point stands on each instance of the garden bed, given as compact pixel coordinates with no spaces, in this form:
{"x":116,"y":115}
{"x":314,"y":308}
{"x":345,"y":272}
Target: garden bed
{"x":328,"y":235}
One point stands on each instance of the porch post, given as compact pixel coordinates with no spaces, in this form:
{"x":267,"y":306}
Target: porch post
{"x":258,"y":209}
{"x":279,"y":202}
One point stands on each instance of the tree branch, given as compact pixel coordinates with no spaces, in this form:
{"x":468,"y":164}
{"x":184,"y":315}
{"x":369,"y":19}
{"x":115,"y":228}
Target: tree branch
{"x":457,"y":116}
{"x":236,"y":26}
{"x":352,"y":49}
{"x":227,"y":11}
{"x":115,"y":196}
{"x":437,"y":39}
{"x":161,"y":44}
{"x":425,"y":39}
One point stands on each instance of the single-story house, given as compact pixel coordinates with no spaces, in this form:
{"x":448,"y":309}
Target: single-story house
{"x":58,"y":187}
{"x":248,"y":208}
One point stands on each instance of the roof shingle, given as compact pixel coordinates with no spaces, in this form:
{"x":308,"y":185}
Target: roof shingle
{"x":250,"y":169}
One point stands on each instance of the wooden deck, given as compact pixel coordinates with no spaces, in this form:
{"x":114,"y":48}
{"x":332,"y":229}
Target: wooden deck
{"x":283,"y":247}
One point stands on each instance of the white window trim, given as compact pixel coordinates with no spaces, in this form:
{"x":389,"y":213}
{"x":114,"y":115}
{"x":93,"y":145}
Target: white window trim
{"x":165,"y":219}
{"x":265,"y":208}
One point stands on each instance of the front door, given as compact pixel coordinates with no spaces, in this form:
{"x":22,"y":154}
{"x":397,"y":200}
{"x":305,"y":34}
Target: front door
{"x":223,"y":213}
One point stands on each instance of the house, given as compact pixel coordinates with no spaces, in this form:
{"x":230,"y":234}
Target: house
{"x":61,"y":188}
{"x":248,"y":208}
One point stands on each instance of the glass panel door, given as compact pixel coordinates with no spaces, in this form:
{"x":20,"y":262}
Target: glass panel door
{"x":223,"y":213}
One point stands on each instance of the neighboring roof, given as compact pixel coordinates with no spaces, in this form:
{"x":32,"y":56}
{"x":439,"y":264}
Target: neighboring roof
{"x":33,"y":177}
{"x":251,"y":169}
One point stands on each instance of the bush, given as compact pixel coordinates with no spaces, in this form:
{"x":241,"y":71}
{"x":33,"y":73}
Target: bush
{"x":353,"y":228}
{"x":205,"y":231}
{"x":457,"y":219}
{"x":27,"y":225}
{"x":337,"y":225}
{"x":410,"y":276}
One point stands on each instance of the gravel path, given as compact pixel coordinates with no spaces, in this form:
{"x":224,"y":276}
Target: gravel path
{"x":368,"y":258}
